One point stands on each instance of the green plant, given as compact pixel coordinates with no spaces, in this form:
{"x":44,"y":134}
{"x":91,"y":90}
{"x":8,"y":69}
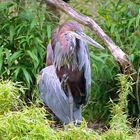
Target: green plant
{"x":9,"y":96}
{"x":71,"y":132}
{"x":24,"y":32}
{"x":29,"y":123}
{"x":119,"y":110}
{"x":121,"y":20}
{"x":116,"y":135}
{"x":32,"y":122}
{"x":119,"y":125}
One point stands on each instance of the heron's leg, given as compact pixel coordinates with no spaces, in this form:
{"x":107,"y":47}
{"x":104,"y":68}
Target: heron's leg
{"x":70,"y":102}
{"x":68,"y":93}
{"x":64,"y":83}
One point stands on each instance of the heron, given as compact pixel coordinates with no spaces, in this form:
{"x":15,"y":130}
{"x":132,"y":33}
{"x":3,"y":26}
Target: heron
{"x":66,"y":80}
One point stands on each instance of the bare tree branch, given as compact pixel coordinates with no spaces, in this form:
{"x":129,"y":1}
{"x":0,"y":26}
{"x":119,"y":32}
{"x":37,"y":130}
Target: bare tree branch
{"x":120,"y":57}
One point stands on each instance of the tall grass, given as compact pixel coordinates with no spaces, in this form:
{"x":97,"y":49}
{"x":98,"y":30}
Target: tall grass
{"x":119,"y":110}
{"x":32,"y":122}
{"x":9,"y":96}
{"x":119,"y":124}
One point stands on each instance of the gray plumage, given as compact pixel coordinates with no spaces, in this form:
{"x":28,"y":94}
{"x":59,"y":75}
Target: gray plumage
{"x":55,"y":98}
{"x":84,"y":64}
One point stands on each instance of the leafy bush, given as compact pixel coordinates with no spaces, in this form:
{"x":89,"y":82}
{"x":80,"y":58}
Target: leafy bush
{"x":32,"y":122}
{"x":9,"y":96}
{"x":24,"y":31}
{"x":119,"y":125}
{"x":116,"y":135}
{"x":121,"y":20}
{"x":119,"y":110}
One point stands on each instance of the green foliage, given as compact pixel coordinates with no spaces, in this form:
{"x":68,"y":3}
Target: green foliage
{"x":71,"y":132}
{"x":32,"y":123}
{"x":23,"y":32}
{"x":119,"y":110}
{"x":9,"y":96}
{"x":120,"y":19}
{"x":119,"y":125}
{"x":27,"y":124}
{"x":116,"y":135}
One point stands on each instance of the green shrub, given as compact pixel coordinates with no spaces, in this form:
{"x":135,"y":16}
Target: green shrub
{"x":119,"y":125}
{"x":29,"y":124}
{"x":24,"y":33}
{"x":116,"y":135}
{"x":120,"y":20}
{"x":32,"y":122}
{"x":9,"y":96}
{"x":71,"y":132}
{"x":119,"y":110}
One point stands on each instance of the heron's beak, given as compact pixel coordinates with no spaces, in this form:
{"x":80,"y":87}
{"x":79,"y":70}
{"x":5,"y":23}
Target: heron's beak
{"x":84,"y":37}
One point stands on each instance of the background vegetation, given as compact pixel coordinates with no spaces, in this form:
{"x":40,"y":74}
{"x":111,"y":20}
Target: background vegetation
{"x":24,"y":34}
{"x":120,"y":19}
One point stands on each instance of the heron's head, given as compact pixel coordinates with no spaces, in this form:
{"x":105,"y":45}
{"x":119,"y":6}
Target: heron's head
{"x":69,"y":35}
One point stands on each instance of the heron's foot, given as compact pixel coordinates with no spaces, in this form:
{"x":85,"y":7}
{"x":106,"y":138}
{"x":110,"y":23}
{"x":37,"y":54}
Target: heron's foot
{"x":77,"y":123}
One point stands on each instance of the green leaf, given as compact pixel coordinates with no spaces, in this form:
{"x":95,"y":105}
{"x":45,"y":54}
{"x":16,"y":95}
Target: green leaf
{"x":6,"y":25}
{"x":7,"y":54}
{"x":112,"y":28}
{"x":1,"y":58}
{"x":28,"y":38}
{"x":5,"y":5}
{"x":33,"y":24}
{"x":138,"y":20}
{"x":14,"y":57}
{"x":49,"y":32}
{"x":27,"y":76}
{"x":96,"y":58}
{"x":34,"y":58}
{"x":17,"y":72}
{"x":19,"y":29}
{"x":131,"y":21}
{"x":12,"y":32}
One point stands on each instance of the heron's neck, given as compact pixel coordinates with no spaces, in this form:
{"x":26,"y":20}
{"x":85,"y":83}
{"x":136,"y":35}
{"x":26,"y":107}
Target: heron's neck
{"x":65,"y":60}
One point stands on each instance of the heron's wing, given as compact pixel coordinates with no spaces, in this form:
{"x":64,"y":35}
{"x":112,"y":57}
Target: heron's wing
{"x":52,"y":94}
{"x":84,"y":64}
{"x":51,"y":47}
